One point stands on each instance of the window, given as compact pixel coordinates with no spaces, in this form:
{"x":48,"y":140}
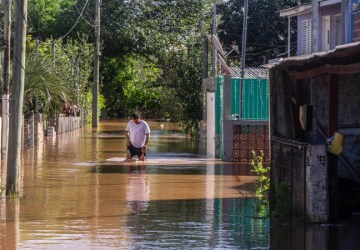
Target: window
{"x":355,"y":21}
{"x":337,"y":30}
{"x":306,"y":45}
{"x":356,"y":27}
{"x":326,"y":33}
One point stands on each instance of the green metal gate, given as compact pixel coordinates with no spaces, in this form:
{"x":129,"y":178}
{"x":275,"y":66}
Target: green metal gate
{"x":249,"y":101}
{"x":255,"y":102}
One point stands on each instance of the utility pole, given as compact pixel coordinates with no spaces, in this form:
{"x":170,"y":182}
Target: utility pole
{"x":243,"y":54}
{"x":205,"y":58}
{"x":213,"y":47}
{"x":17,"y":97}
{"x":95,"y":102}
{"x":243,"y":43}
{"x":314,"y":26}
{"x":6,"y":81}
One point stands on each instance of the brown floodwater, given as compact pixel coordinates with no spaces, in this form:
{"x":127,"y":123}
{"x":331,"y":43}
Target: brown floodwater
{"x":76,"y":193}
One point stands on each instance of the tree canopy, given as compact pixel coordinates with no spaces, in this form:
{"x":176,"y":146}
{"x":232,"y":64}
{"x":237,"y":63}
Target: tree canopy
{"x":266,"y":30}
{"x":152,"y":51}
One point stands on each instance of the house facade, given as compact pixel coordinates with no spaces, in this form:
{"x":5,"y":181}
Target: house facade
{"x":314,"y":103}
{"x":327,"y":30}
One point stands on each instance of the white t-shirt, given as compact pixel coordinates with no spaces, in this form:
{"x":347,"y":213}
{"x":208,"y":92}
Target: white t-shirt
{"x":138,"y":132}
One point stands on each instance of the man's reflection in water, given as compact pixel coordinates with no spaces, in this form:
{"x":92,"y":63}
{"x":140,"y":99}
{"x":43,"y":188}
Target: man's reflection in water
{"x":138,"y":188}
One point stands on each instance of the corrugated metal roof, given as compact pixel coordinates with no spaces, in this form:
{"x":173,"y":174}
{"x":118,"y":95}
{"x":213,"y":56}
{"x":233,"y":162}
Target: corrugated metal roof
{"x":250,"y":72}
{"x":345,"y":50}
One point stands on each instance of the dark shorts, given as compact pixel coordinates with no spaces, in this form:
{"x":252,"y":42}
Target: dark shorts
{"x":135,"y":151}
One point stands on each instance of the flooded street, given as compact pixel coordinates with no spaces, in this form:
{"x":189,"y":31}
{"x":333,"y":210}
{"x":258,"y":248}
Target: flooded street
{"x":78,"y":194}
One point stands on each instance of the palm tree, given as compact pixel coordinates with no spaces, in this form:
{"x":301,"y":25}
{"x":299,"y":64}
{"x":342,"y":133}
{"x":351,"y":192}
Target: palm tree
{"x":42,"y":81}
{"x":43,"y":86}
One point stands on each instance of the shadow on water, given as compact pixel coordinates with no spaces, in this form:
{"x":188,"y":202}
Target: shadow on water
{"x":74,"y":197}
{"x":170,"y":169}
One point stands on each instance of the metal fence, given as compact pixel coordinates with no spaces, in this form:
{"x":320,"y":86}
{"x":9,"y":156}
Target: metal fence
{"x":249,"y":99}
{"x":32,"y":130}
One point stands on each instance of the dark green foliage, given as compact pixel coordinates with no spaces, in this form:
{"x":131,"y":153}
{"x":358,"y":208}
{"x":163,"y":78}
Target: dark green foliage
{"x":50,"y":18}
{"x":162,"y":40}
{"x":188,"y":84}
{"x":166,"y":35}
{"x":266,"y":31}
{"x":65,"y":80}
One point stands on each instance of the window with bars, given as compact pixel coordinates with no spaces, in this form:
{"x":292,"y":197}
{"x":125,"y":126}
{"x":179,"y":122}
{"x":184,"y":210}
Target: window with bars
{"x":356,"y":27}
{"x":306,"y":45}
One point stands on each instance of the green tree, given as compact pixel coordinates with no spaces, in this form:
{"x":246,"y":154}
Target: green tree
{"x":135,"y":87}
{"x":71,"y":72}
{"x":183,"y":75}
{"x":152,"y":27}
{"x":44,"y":16}
{"x":137,"y":36}
{"x":266,"y":31}
{"x":44,"y":85}
{"x":159,"y":31}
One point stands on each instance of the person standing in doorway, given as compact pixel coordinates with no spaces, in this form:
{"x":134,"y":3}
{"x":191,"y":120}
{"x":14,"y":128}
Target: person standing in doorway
{"x":137,"y":135}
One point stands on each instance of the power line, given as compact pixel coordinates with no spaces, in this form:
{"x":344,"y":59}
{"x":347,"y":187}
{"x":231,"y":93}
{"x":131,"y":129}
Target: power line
{"x":76,"y":21}
{"x":86,"y":21}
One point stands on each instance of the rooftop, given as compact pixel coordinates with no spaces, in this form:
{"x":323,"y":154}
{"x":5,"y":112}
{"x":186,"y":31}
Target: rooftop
{"x":250,"y":72}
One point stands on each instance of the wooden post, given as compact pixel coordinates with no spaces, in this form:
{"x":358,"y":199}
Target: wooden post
{"x":296,"y":111}
{"x":17,"y":93}
{"x":333,"y":159}
{"x":287,"y":107}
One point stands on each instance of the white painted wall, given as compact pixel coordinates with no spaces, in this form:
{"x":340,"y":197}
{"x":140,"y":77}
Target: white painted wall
{"x":210,"y":124}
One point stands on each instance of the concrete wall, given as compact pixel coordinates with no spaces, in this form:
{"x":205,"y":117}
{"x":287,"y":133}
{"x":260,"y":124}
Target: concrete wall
{"x":349,"y":118}
{"x":68,"y":123}
{"x":33,"y":131}
{"x":303,"y":168}
{"x":238,"y":146}
{"x":317,"y":202}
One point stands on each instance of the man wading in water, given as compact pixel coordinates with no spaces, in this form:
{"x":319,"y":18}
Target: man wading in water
{"x":137,"y":135}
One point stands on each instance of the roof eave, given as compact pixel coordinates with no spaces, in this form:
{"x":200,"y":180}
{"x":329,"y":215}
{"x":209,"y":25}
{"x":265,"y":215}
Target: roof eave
{"x":296,"y":11}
